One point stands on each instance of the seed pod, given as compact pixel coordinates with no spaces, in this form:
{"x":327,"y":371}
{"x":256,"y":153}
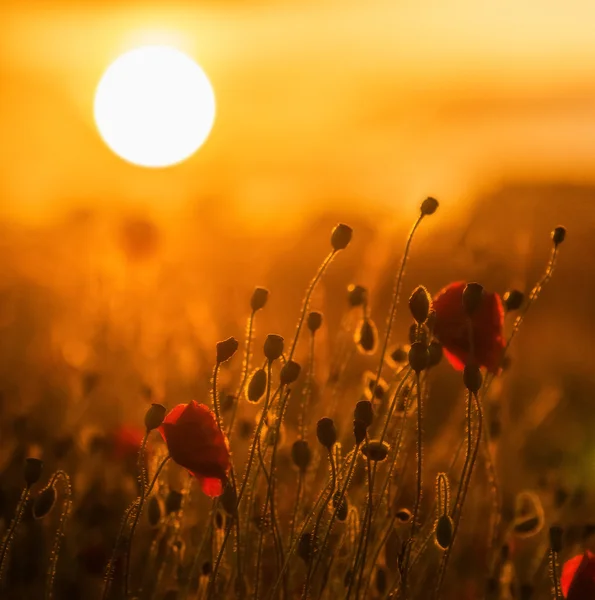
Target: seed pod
{"x":273,"y":347}
{"x":556,"y":536}
{"x":257,"y":385}
{"x":229,"y":500}
{"x":357,"y":295}
{"x":304,"y":549}
{"x":343,"y":508}
{"x":444,"y":531}
{"x":359,"y":431}
{"x":301,"y":454}
{"x":418,"y":356}
{"x":403,"y":515}
{"x":33,"y":469}
{"x":290,"y":372}
{"x":259,"y":298}
{"x":472,"y":378}
{"x":366,"y":337}
{"x":419,"y":304}
{"x":434,"y":354}
{"x":154,"y":510}
{"x":472,"y":297}
{"x":341,"y":236}
{"x":226,"y":349}
{"x":363,"y":412}
{"x":399,"y":355}
{"x":154,"y":416}
{"x":429,"y":206}
{"x":381,"y":580}
{"x":326,"y":432}
{"x":173,"y":501}
{"x":314,"y":321}
{"x":375,"y":450}
{"x":559,"y":235}
{"x":44,"y":502}
{"x":513,"y":300}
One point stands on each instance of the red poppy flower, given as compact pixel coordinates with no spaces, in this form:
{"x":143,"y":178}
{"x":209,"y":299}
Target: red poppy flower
{"x":126,"y":441}
{"x":196,"y":443}
{"x":452,"y":330}
{"x":578,"y":577}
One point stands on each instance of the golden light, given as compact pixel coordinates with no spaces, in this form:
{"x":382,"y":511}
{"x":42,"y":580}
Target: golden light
{"x":154,"y":106}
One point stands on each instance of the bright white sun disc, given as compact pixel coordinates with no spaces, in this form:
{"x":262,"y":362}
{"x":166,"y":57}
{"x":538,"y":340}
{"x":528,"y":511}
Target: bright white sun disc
{"x":154,"y":106}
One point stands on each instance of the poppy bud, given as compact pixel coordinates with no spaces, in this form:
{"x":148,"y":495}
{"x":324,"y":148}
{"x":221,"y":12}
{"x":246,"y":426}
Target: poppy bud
{"x":259,"y":298}
{"x":229,"y":500}
{"x":257,"y":385}
{"x":44,"y":502}
{"x":326,"y":432}
{"x":419,"y":304}
{"x":359,"y":431}
{"x":363,"y":412}
{"x":226,"y":349}
{"x":341,"y":237}
{"x":314,"y":321}
{"x":444,"y":531}
{"x":33,"y":468}
{"x":472,"y":297}
{"x":472,"y":378}
{"x":375,"y":450}
{"x":304,"y":549}
{"x":418,"y":333}
{"x":366,"y":337}
{"x":301,"y":454}
{"x":418,"y":356}
{"x":289,"y":372}
{"x":357,"y":295}
{"x":556,"y":535}
{"x":559,"y":235}
{"x":342,"y":508}
{"x":173,"y":501}
{"x":399,"y":355}
{"x":154,"y":511}
{"x":273,"y":347}
{"x":434,"y":353}
{"x":403,"y":515}
{"x":381,"y":581}
{"x":512,"y":300}
{"x":429,"y":206}
{"x":154,"y":416}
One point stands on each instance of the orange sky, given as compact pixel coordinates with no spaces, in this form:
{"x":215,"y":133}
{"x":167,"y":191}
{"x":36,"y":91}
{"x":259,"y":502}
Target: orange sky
{"x":353,"y":101}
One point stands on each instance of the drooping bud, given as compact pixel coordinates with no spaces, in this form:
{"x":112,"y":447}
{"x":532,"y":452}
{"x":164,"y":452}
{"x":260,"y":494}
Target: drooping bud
{"x":559,"y":235}
{"x":513,"y":300}
{"x":472,"y":378}
{"x":375,"y":450}
{"x":429,"y":206}
{"x":290,"y":372}
{"x":301,"y":454}
{"x":444,"y":531}
{"x":326,"y":432}
{"x":435,"y":353}
{"x":226,"y":349}
{"x":257,"y":385}
{"x":363,"y":412}
{"x":419,"y":356}
{"x":33,"y":469}
{"x":259,"y":298}
{"x":419,"y":304}
{"x":154,"y":416}
{"x":357,"y":295}
{"x":366,"y":337}
{"x":341,"y":236}
{"x":314,"y":321}
{"x":273,"y":347}
{"x":472,"y":297}
{"x":44,"y":502}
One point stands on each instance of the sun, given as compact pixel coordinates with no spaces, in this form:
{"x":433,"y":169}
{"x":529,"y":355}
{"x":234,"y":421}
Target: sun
{"x":154,"y":106}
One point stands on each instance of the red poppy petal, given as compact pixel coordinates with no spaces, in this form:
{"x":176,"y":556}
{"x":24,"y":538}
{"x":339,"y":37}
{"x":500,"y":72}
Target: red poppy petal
{"x":211,"y":486}
{"x":455,"y":361}
{"x":582,"y":585}
{"x":568,"y":571}
{"x":174,"y":414}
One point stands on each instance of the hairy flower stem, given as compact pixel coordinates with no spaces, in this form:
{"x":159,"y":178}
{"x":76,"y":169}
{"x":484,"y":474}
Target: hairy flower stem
{"x":556,"y":593}
{"x":321,"y":512}
{"x":137,"y":515}
{"x":12,"y":528}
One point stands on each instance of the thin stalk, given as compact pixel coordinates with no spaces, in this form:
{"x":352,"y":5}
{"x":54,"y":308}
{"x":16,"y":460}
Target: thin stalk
{"x":13,"y":526}
{"x":557,"y":594}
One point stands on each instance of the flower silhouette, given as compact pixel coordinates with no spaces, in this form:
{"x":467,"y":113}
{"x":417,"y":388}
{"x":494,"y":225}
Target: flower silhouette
{"x":196,"y":443}
{"x":578,"y":577}
{"x":451,"y":328}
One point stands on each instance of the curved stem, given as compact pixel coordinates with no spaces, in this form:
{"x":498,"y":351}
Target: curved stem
{"x":13,"y":525}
